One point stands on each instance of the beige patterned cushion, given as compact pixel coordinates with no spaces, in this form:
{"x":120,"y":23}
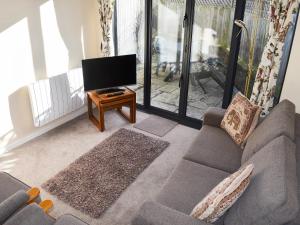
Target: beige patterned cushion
{"x":240,"y":119}
{"x":223,"y":196}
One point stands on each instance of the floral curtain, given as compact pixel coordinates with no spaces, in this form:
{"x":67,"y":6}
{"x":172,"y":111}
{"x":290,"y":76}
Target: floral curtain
{"x":105,"y":13}
{"x":281,"y":14}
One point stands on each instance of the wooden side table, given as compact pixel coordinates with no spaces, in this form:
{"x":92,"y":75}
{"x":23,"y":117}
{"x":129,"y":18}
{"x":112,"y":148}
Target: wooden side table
{"x":105,"y":103}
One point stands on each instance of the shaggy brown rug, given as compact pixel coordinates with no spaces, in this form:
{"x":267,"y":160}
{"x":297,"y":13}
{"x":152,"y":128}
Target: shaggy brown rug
{"x":94,"y":181}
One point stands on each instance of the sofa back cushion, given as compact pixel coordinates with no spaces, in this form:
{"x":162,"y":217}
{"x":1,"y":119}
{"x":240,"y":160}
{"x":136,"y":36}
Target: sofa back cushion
{"x":271,"y":197}
{"x":223,"y":196}
{"x":280,"y":121}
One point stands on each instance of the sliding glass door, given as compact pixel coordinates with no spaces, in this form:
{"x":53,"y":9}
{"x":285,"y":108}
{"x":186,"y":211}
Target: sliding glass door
{"x":182,"y":49}
{"x":167,"y":45}
{"x":210,"y":47}
{"x":190,"y":53}
{"x":190,"y":42}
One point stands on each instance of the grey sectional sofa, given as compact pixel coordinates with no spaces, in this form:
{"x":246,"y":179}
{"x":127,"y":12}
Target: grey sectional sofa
{"x":272,"y":197}
{"x":15,"y":211}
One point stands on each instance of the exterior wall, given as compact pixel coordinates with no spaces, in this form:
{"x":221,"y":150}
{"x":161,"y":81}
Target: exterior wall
{"x":291,"y":86}
{"x":26,"y":28}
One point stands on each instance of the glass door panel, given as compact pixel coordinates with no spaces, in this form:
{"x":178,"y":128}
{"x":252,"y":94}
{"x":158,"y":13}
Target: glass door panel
{"x":128,"y":36}
{"x":167,"y":53}
{"x":252,"y":45}
{"x":210,"y":48}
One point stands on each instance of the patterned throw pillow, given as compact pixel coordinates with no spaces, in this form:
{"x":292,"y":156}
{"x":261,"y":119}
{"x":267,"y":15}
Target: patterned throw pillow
{"x":240,"y":119}
{"x":223,"y":196}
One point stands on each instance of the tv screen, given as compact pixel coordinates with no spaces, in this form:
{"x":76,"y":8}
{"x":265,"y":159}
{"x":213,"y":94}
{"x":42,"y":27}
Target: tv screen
{"x":109,"y":72}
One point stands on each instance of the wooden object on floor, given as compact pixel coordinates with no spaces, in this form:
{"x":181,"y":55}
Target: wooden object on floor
{"x":104,"y":103}
{"x":46,"y":205}
{"x":33,"y":193}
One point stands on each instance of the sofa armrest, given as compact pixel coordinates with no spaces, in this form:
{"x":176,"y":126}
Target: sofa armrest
{"x":12,"y":204}
{"x":153,"y":213}
{"x":213,"y":116}
{"x":10,"y":185}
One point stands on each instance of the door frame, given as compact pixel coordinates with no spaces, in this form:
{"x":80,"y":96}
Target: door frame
{"x":187,"y":47}
{"x":234,"y":53}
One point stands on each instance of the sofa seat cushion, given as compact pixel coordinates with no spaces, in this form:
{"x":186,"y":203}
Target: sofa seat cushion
{"x":154,"y":213}
{"x":189,"y":183}
{"x":10,"y":185}
{"x":271,"y":197}
{"x":280,"y":121}
{"x":213,"y":147}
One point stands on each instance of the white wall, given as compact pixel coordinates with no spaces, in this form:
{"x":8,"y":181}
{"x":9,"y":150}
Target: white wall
{"x":291,"y":86}
{"x":39,"y":39}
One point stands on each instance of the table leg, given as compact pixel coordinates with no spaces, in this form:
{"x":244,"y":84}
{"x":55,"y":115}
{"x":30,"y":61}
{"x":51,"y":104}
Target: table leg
{"x":134,"y":109}
{"x":90,"y":106}
{"x":133,"y":112}
{"x":101,"y":119}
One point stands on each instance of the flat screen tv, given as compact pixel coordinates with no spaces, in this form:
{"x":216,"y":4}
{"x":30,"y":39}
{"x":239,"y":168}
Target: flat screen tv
{"x":109,"y":72}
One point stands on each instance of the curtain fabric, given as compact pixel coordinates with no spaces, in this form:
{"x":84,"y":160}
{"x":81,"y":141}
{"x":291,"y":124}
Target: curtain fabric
{"x":105,"y":13}
{"x":281,"y":14}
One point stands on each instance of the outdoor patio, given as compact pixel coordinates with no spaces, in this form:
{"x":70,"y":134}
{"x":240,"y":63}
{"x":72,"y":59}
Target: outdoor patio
{"x":165,"y":95}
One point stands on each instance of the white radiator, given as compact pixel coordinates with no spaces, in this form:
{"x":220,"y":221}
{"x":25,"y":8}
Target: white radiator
{"x":57,"y":96}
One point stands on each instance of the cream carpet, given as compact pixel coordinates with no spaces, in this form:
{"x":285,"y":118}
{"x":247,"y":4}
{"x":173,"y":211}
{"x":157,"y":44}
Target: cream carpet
{"x":39,"y":160}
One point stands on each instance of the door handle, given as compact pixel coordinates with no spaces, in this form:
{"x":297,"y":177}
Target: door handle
{"x":185,"y":21}
{"x":180,"y":80}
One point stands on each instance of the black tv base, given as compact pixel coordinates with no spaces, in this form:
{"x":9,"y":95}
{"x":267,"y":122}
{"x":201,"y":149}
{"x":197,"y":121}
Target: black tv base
{"x":110,"y":91}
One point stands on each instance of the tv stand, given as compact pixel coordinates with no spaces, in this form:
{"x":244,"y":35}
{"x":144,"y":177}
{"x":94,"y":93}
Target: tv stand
{"x":112,"y":100}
